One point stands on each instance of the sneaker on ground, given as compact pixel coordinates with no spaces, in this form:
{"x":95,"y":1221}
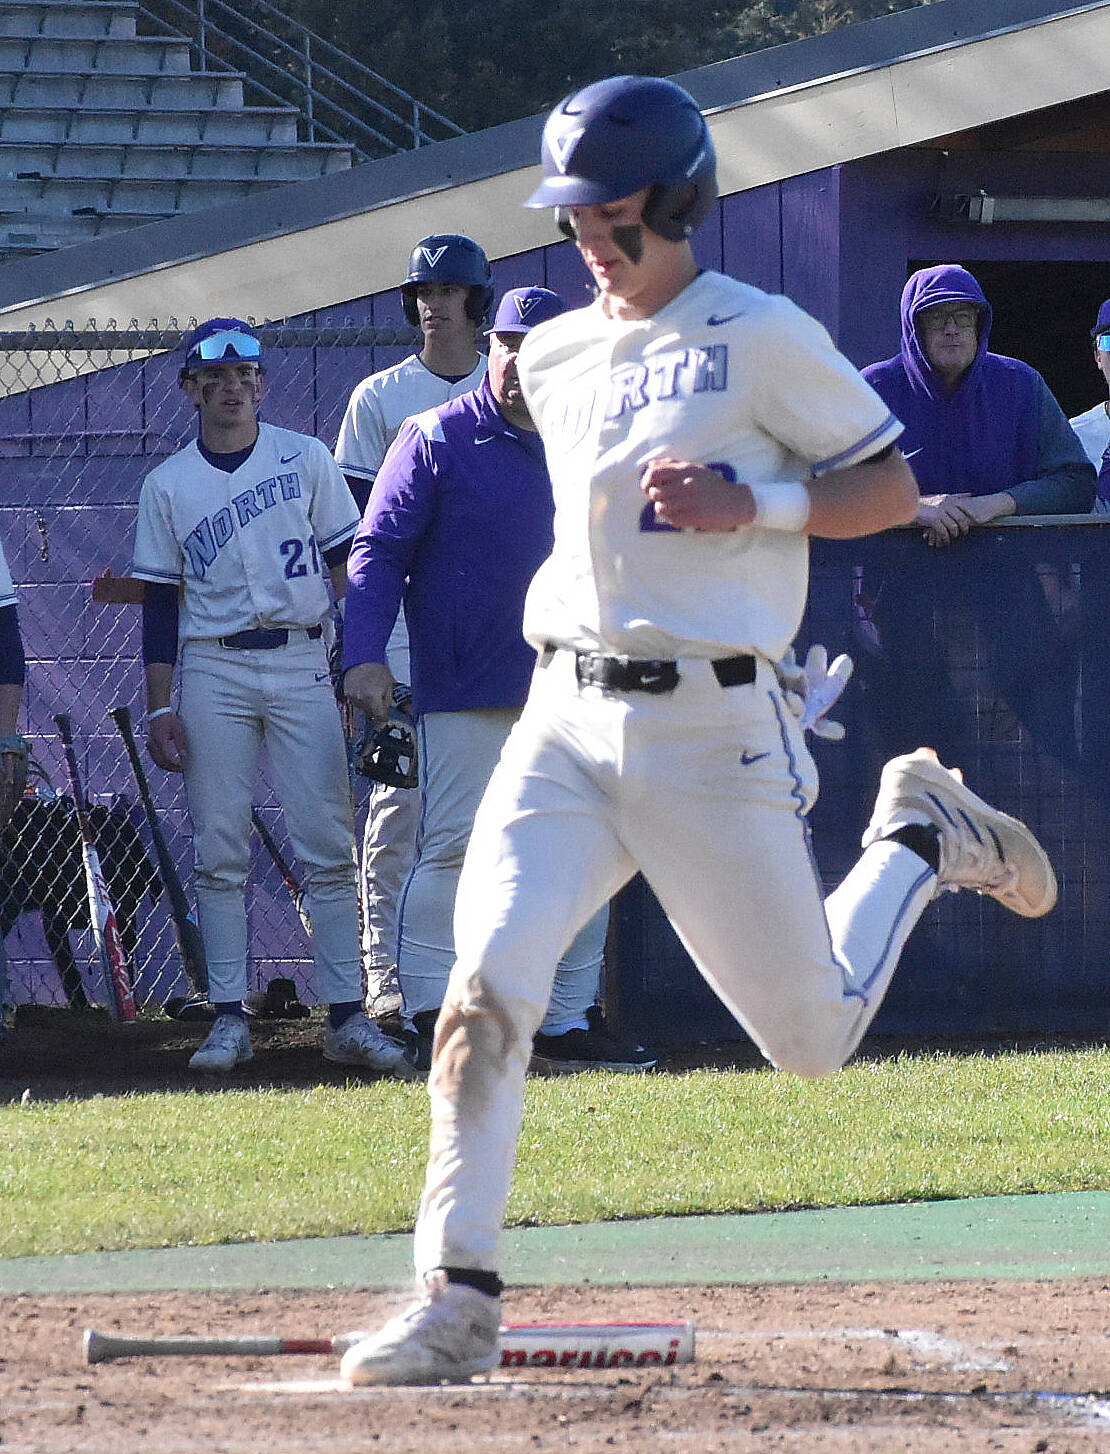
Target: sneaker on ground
{"x":449,"y":1334}
{"x":383,"y":990}
{"x":980,"y":848}
{"x":228,"y":1044}
{"x":595,"y":1048}
{"x":358,"y":1041}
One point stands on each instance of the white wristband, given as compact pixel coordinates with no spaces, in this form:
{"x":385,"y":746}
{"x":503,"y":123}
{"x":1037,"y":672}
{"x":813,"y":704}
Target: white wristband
{"x":783,"y":505}
{"x":158,"y":712}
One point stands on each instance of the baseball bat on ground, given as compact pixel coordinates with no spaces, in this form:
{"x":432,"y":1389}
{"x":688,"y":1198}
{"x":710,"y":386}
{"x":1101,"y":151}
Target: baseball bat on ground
{"x":288,"y":877}
{"x":109,"y":945}
{"x":189,"y":943}
{"x":523,"y":1345}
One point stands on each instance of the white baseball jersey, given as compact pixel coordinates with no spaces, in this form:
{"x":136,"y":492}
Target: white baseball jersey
{"x":1093,"y":429}
{"x":7,"y":589}
{"x":380,"y":405}
{"x":249,"y":545}
{"x":724,"y":375}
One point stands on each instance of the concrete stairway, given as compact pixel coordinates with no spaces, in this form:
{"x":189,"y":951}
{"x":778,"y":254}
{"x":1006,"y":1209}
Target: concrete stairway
{"x":102,"y":128}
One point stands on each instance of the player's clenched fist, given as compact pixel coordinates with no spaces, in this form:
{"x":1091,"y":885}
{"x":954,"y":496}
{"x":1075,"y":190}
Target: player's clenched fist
{"x":695,"y":497}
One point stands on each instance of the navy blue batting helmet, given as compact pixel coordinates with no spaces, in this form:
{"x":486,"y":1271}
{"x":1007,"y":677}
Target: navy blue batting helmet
{"x":614,"y":137}
{"x":449,"y":258}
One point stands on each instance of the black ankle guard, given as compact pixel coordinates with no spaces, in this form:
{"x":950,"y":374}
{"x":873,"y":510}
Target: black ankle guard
{"x":920,"y":838}
{"x":487,"y":1282}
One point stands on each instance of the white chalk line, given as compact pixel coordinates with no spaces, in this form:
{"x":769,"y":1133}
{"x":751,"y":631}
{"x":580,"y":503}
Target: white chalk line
{"x":926,"y":1346}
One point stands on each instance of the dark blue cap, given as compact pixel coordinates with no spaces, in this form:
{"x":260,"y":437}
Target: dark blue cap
{"x":521,"y":309}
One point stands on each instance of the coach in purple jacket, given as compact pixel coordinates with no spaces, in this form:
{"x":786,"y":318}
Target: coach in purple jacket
{"x":458,"y":521}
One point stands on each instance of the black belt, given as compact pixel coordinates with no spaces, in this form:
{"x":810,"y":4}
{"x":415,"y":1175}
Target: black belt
{"x":623,"y":674}
{"x":261,"y":638}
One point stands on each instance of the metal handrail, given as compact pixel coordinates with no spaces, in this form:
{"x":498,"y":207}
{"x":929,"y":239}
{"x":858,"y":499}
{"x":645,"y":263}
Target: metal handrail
{"x":307,"y":96}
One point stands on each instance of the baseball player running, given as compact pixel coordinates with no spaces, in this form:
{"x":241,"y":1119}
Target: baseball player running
{"x":697,"y":431}
{"x":447,"y":294}
{"x":250,"y":519}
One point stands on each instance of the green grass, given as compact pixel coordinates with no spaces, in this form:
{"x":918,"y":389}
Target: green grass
{"x":162,"y":1170}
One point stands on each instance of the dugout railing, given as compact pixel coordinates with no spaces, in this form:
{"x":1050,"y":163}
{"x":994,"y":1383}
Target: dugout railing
{"x":85,"y":412}
{"x":996,"y":652}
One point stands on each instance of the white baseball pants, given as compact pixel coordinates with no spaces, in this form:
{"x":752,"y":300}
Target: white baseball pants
{"x":458,"y":753}
{"x":705,"y":790}
{"x":232,"y":704}
{"x":389,"y":838}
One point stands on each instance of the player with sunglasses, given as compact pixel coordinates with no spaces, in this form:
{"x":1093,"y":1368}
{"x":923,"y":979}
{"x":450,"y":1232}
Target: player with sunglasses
{"x":250,"y":523}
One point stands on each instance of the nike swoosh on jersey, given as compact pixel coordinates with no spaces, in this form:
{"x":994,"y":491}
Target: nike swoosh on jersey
{"x":715,"y":320}
{"x":747,"y":758}
{"x":913,"y":452}
{"x":321,"y":676}
{"x":287,"y":457}
{"x":484,"y":438}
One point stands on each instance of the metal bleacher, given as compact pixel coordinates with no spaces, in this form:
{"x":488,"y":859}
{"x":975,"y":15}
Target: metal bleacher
{"x":103,"y":128}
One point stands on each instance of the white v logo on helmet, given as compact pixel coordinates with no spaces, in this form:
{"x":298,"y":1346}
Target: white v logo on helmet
{"x":524,"y":306}
{"x":564,"y":145}
{"x":432,"y":255}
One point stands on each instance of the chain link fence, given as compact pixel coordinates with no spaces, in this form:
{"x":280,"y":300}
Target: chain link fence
{"x":85,"y":414}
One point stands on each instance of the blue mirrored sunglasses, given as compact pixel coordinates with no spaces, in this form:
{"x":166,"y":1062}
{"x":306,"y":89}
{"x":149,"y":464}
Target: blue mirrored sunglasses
{"x":228,"y":343}
{"x":1102,"y":342}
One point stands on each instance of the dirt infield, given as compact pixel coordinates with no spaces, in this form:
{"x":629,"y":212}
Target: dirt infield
{"x":934,"y":1367}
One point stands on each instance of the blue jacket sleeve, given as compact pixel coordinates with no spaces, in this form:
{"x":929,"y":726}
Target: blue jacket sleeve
{"x":1065,"y":482}
{"x":397,"y":515}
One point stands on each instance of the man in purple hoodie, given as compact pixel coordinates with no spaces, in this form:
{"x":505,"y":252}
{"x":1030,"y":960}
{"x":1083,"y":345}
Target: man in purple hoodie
{"x":984,"y":435}
{"x":458,"y":521}
{"x":986,"y":439}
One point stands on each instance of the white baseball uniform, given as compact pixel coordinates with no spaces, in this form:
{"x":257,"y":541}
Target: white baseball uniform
{"x":1093,"y":429}
{"x":249,"y":547}
{"x":704,"y":788}
{"x":377,"y":408}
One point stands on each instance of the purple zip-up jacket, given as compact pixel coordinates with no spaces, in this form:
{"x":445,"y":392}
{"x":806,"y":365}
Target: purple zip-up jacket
{"x":999,"y":429}
{"x":458,"y":521}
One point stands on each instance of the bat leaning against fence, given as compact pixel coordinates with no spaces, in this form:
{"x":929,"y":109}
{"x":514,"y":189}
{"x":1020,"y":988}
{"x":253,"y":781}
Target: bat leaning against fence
{"x":288,"y":877}
{"x":109,"y":945}
{"x":186,"y":931}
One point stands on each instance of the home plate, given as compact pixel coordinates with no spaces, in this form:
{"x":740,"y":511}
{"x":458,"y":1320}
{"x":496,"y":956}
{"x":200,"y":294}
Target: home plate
{"x":291,"y":1385}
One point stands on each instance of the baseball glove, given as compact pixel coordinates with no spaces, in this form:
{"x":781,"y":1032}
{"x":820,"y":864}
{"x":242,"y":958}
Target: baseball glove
{"x":387,"y":753}
{"x":14,"y":756}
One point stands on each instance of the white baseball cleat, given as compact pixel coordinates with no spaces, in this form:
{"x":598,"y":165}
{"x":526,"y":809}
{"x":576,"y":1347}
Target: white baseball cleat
{"x":451,"y":1333}
{"x":358,"y":1041}
{"x":228,"y":1044}
{"x":980,"y":848}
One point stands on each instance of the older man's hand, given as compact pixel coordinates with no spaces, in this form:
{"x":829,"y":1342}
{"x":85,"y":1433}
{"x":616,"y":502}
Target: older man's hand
{"x":369,"y":686}
{"x":947,"y":517}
